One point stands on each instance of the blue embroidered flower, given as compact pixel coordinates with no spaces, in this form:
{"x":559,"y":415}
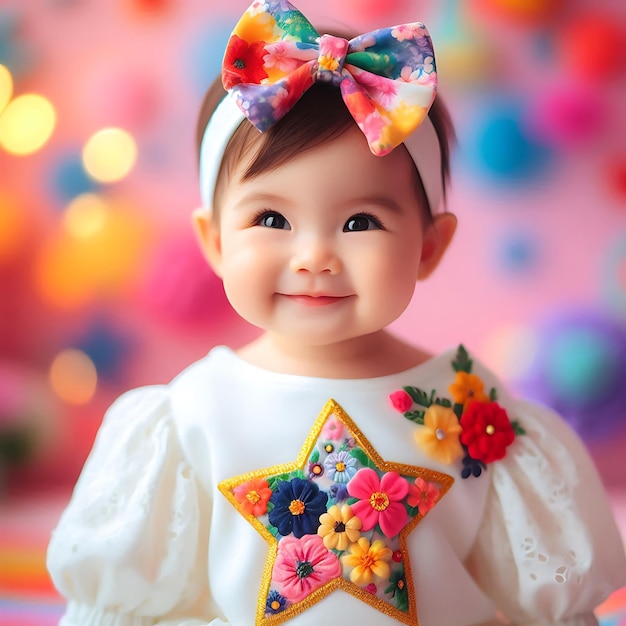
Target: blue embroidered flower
{"x":298,"y":505}
{"x":341,"y":466}
{"x":275,"y":603}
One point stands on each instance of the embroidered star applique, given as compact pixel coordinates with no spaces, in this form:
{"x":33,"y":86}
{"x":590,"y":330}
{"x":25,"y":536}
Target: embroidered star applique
{"x":336,"y":518}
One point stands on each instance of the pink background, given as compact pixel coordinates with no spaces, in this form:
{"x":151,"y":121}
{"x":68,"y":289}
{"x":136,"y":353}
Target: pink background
{"x":144,"y":65}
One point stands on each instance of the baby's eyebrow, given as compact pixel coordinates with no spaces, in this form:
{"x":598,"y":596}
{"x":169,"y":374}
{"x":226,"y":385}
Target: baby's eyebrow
{"x":382,"y":201}
{"x":256,"y":198}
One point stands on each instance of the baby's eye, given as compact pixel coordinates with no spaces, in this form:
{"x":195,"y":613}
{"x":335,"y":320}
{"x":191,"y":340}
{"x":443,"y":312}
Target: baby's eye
{"x":271,"y":219}
{"x":362,"y":221}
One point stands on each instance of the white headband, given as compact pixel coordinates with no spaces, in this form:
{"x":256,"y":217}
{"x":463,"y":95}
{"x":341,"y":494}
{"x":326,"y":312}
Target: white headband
{"x":422,"y":145}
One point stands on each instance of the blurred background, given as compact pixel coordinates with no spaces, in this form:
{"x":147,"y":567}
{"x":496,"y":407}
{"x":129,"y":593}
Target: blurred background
{"x":102,"y":287}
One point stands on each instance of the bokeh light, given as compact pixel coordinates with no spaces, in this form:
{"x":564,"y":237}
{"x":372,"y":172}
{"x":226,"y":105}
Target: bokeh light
{"x":109,"y":155}
{"x":26,"y":124}
{"x":73,"y":377}
{"x":85,"y":216}
{"x":6,"y":87}
{"x":94,"y":255}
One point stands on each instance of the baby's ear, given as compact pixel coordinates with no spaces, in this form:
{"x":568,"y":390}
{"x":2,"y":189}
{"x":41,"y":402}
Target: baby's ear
{"x":437,"y":237}
{"x":208,"y":234}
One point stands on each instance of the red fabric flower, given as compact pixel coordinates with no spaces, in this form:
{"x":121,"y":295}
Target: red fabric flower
{"x":243,"y":63}
{"x":487,"y":431}
{"x":401,"y":400}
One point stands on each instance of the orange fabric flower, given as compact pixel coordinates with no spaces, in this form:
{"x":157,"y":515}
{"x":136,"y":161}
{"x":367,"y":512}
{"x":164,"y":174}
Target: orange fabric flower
{"x":253,"y":496}
{"x":466,"y":388}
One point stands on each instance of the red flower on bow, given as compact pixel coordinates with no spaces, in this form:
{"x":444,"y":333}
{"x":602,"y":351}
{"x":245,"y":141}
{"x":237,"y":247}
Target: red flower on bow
{"x":487,"y":431}
{"x":243,"y":62}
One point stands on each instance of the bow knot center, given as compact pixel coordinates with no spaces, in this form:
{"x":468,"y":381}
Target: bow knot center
{"x":331,"y":58}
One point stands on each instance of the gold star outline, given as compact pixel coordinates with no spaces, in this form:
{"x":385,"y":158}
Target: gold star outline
{"x":333,"y":410}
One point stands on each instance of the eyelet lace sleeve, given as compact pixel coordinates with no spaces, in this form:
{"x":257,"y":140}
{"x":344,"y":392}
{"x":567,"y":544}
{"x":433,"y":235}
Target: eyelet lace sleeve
{"x":548,"y":551}
{"x":128,"y":550}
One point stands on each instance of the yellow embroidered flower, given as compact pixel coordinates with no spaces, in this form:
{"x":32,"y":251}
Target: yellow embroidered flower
{"x":439,"y":438}
{"x":368,"y":561}
{"x":328,"y":62}
{"x":467,"y":387}
{"x":339,"y":527}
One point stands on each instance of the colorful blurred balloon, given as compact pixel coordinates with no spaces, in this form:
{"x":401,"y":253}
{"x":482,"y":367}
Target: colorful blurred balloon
{"x":373,"y":11}
{"x":107,"y":346}
{"x":179,"y":287}
{"x":564,"y":116}
{"x":499,"y":146}
{"x":580,"y":369}
{"x":592,"y":46}
{"x":97,"y":254}
{"x":69,"y":178}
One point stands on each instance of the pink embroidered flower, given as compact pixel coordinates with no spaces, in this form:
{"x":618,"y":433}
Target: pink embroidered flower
{"x":332,"y":429}
{"x":253,"y":496}
{"x":380,"y":500}
{"x":401,"y":401}
{"x":303,"y":565}
{"x":423,"y":495}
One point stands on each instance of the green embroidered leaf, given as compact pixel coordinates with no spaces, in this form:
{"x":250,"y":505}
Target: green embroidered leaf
{"x":412,"y":510}
{"x":352,"y":500}
{"x":273,"y":530}
{"x":274,"y":480}
{"x":458,"y":410}
{"x":362,"y":458}
{"x":415,"y":416}
{"x":443,"y":402}
{"x":493,"y":395}
{"x":391,"y":588}
{"x":315,"y":457}
{"x":462,"y":362}
{"x":517,"y":429}
{"x":419,"y":396}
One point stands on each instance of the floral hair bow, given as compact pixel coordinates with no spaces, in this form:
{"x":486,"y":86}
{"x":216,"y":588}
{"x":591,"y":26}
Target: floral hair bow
{"x":387,"y":77}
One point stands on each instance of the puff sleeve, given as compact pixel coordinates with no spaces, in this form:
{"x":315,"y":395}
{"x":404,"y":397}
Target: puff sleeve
{"x":129,"y":549}
{"x":548,"y":551}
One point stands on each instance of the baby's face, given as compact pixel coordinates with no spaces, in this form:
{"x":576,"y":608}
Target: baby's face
{"x":325,"y":248}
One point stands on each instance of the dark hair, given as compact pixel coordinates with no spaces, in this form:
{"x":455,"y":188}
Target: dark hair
{"x":326,"y":118}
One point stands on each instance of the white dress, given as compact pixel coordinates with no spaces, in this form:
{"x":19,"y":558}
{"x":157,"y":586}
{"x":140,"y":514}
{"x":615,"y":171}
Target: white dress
{"x":149,"y":537}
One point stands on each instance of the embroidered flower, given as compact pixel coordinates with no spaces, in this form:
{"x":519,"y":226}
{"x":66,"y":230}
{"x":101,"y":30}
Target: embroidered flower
{"x":253,"y":496}
{"x":332,"y":429}
{"x":298,"y":505}
{"x":275,"y":603}
{"x":371,"y":588}
{"x":303,"y":565}
{"x":367,"y":560}
{"x":423,"y":495}
{"x":338,"y":492}
{"x":340,"y":466}
{"x":401,"y":401}
{"x":243,"y":63}
{"x":487,"y":431}
{"x":439,"y":438}
{"x":380,"y":500}
{"x":339,"y":527}
{"x":467,"y":387}
{"x":315,"y":470}
{"x":397,"y":588}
